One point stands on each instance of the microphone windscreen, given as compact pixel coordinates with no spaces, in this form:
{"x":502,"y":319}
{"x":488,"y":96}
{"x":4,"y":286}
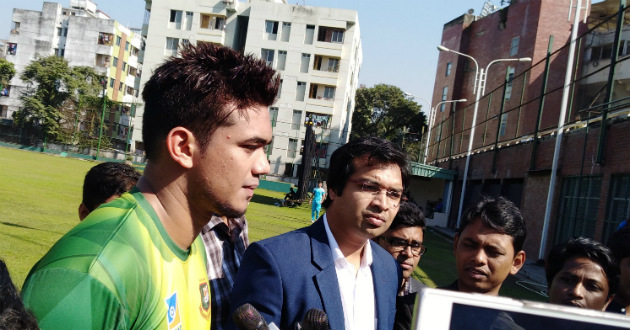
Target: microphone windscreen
{"x":315,"y":319}
{"x":247,"y":317}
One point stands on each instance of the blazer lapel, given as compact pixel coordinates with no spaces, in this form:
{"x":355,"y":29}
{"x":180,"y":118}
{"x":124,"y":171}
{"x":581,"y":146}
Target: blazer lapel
{"x":326,"y":280}
{"x":382,"y":290}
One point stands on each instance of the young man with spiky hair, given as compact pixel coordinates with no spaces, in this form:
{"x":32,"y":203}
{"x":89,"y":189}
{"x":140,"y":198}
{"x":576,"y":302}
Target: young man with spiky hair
{"x":139,"y":262}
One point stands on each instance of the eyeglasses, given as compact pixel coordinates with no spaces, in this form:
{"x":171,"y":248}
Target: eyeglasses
{"x":399,"y":244}
{"x":395,"y":198}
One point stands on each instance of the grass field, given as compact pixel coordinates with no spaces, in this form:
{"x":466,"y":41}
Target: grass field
{"x":41,"y":194}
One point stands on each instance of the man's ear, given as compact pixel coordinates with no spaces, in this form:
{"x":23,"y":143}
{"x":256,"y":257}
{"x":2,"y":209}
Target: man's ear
{"x":83,"y":211}
{"x":518,"y":262}
{"x":182,"y":146}
{"x":608,"y":301}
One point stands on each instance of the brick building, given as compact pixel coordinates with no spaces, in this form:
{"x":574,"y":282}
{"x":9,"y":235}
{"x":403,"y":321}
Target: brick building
{"x":518,"y":115}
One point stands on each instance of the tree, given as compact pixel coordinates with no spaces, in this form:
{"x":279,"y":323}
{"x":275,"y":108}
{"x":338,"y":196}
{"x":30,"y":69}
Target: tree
{"x":7,"y":71}
{"x":385,"y":111}
{"x":53,"y":94}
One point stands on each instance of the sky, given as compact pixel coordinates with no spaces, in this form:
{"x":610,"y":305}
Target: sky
{"x":399,"y":37}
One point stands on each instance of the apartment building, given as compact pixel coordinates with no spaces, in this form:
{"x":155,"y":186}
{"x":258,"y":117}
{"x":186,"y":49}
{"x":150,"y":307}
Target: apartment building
{"x":316,"y":50}
{"x":514,"y":151}
{"x":84,"y":36}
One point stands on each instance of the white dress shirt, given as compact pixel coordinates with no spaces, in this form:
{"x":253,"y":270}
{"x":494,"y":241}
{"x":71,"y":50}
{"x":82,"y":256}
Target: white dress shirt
{"x":356,"y":288}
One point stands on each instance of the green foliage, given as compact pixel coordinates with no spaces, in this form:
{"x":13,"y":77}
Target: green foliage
{"x":53,"y":96}
{"x":7,"y":71}
{"x":385,"y":111}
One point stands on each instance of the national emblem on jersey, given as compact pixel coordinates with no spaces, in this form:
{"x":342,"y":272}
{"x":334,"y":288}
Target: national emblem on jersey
{"x":204,"y":307}
{"x":172,"y":312}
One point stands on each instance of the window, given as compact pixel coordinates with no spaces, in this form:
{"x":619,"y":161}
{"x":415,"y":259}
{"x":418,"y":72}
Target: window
{"x":282,"y":59}
{"x":577,"y":209}
{"x":118,"y":39}
{"x":329,"y":93}
{"x":333,"y":65}
{"x":319,"y":120}
{"x":327,"y":34}
{"x":509,"y":77}
{"x":111,"y":82}
{"x":124,"y":67}
{"x":105,"y":39}
{"x":288,"y":169}
{"x":121,"y":86}
{"x":5,"y":90}
{"x":267,"y":55}
{"x":310,"y":34}
{"x":273,"y":113}
{"x":514,"y":47}
{"x":189,"y":20}
{"x":175,"y":19}
{"x":12,"y":48}
{"x":296,"y":120}
{"x":449,"y":66}
{"x":618,"y":205}
{"x":444,"y":97}
{"x":115,"y":63}
{"x":286,"y":31}
{"x":15,"y":28}
{"x":292,"y":148}
{"x":301,"y":91}
{"x":212,"y":22}
{"x":280,"y":89}
{"x":171,"y":46}
{"x":59,"y":32}
{"x":337,"y":36}
{"x":503,"y":124}
{"x":127,"y":45}
{"x":271,"y":30}
{"x":65,"y":32}
{"x":306,"y":59}
{"x":60,"y":52}
{"x":320,"y":150}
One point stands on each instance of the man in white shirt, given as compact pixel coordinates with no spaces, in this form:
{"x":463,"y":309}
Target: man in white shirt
{"x":333,"y":265}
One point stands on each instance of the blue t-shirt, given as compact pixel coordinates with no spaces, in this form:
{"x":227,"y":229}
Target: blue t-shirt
{"x":318,"y":193}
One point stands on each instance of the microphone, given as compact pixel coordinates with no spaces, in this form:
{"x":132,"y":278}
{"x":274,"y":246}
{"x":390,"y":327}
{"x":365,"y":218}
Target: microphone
{"x":315,"y":319}
{"x":247,"y":317}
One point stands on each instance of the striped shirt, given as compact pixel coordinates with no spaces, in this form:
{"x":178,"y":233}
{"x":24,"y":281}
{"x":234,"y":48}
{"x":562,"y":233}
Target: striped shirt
{"x":224,"y":249}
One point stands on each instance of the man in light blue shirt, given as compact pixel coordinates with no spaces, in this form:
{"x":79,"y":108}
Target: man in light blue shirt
{"x":316,"y":205}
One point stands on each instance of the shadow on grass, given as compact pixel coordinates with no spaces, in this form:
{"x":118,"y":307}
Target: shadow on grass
{"x":16,"y":225}
{"x":263,"y":199}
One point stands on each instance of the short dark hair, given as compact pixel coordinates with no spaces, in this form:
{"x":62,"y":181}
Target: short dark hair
{"x":13,"y":314}
{"x":619,"y":243}
{"x":195,"y":90}
{"x":380,"y":150}
{"x":409,"y":215}
{"x":586,"y":248}
{"x":107,"y":179}
{"x":499,"y":214}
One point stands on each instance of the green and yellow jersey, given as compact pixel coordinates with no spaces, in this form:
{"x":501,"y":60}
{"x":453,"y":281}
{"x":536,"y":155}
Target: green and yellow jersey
{"x":119,"y":269}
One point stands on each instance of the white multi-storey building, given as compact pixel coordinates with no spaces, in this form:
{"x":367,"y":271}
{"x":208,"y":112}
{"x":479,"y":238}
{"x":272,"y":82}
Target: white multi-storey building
{"x":316,"y":50}
{"x":84,"y":36}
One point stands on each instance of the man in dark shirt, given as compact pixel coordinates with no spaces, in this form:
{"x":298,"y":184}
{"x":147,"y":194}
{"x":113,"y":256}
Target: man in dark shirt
{"x":488,"y":246}
{"x":619,"y":244}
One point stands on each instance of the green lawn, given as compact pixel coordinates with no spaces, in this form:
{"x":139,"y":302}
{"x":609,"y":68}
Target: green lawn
{"x":41,"y":194}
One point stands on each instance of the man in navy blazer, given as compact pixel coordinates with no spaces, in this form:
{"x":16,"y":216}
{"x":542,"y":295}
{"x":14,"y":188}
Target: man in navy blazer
{"x":333,"y":265}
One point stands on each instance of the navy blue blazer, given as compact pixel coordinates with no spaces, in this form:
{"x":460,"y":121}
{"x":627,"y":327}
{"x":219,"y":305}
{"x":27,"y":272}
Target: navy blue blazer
{"x":286,"y":275}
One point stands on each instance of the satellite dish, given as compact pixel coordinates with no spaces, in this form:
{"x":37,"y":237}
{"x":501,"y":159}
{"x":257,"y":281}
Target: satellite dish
{"x":471,"y":11}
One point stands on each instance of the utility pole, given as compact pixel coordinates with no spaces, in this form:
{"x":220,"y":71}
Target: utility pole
{"x":307,"y":159}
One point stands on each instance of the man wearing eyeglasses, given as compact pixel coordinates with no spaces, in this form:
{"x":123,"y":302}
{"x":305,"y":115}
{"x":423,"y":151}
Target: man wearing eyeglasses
{"x":403,"y":240}
{"x":333,"y":265}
